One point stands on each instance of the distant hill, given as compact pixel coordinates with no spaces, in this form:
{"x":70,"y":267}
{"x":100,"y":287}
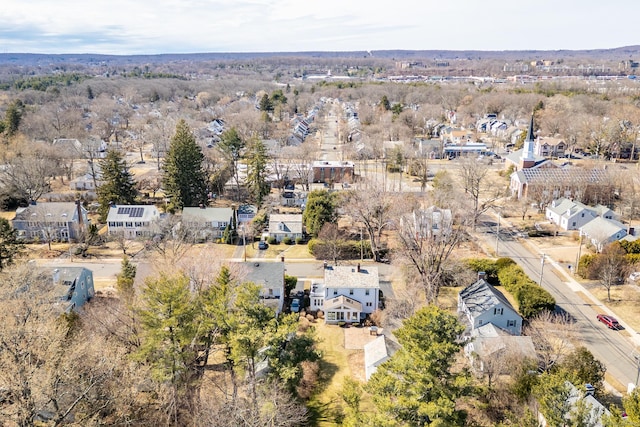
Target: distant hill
{"x":616,"y":54}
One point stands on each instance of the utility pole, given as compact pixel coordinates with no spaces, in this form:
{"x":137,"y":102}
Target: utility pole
{"x":575,"y":270}
{"x":498,"y":234}
{"x":542,"y":268}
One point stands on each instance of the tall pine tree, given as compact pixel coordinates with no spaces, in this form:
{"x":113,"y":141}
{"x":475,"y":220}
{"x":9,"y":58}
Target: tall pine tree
{"x":184,"y":178}
{"x":231,"y":146}
{"x":118,"y":185}
{"x":257,"y":171}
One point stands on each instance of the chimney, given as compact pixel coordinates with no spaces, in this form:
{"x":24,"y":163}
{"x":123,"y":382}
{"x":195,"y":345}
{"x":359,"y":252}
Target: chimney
{"x":482,"y":275}
{"x":358,"y":267}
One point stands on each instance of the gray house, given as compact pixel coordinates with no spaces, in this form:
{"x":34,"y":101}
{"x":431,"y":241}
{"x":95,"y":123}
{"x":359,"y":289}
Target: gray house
{"x":481,"y":303}
{"x":207,"y":223}
{"x":73,"y":285}
{"x":53,"y":221}
{"x":269,"y":276}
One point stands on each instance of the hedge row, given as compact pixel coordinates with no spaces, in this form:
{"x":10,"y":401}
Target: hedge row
{"x":348,"y":249}
{"x":531,"y":298}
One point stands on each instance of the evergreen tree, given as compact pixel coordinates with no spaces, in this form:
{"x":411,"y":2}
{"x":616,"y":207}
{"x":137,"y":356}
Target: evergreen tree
{"x":265,"y":103}
{"x":169,"y":332}
{"x":417,"y":386}
{"x":231,"y":146}
{"x":13,"y":117}
{"x":384,"y":103}
{"x":184,"y":178}
{"x":125,"y":279}
{"x":257,"y":171}
{"x":10,"y":246}
{"x":118,"y":184}
{"x":320,"y":209}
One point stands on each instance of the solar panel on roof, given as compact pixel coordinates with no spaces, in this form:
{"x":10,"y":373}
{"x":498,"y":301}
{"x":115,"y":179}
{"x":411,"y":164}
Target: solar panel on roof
{"x":137,"y":212}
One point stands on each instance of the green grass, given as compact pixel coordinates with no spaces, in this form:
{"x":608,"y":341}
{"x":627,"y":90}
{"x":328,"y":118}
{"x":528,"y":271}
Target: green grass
{"x":334,"y":368}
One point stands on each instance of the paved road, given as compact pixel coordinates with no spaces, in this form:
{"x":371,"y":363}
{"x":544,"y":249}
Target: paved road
{"x":613,"y":348}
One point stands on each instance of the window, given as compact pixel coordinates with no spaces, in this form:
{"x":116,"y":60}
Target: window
{"x":335,"y":292}
{"x":369,"y":304}
{"x":366,"y":292}
{"x":573,"y":224}
{"x":498,"y":310}
{"x":511,"y":323}
{"x":350,"y":291}
{"x":129,"y":224}
{"x":331,"y":315}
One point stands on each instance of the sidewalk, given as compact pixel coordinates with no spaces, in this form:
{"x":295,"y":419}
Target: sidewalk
{"x":576,"y":286}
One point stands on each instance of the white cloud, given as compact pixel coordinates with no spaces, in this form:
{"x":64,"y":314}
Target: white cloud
{"x":145,"y":26}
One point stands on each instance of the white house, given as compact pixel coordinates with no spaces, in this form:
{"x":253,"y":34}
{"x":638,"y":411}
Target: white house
{"x":571,"y":215}
{"x":285,"y":225}
{"x":481,"y":303}
{"x":132,"y":221}
{"x":568,"y":215}
{"x":348,"y":293}
{"x":601,"y":231}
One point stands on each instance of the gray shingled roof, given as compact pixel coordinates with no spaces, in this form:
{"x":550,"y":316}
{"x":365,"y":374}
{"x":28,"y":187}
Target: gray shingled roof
{"x":481,"y":296}
{"x":207,"y":214}
{"x":61,"y":210}
{"x":345,"y":276}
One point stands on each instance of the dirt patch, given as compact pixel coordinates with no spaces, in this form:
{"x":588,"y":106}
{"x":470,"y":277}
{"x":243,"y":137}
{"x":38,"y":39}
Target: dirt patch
{"x":355,"y":338}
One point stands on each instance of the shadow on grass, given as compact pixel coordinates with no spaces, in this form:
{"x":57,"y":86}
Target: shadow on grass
{"x":319,"y":411}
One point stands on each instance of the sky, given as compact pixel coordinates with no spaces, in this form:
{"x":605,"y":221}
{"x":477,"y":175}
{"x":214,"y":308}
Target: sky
{"x":126,"y":27}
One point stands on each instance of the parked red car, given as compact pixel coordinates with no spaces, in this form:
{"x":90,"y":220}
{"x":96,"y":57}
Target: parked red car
{"x":610,"y":321}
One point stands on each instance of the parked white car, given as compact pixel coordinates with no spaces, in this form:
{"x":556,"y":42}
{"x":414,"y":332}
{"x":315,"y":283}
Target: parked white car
{"x":634,"y":276}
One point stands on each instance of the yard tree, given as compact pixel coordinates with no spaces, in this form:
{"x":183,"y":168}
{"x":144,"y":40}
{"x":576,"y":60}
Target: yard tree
{"x":13,"y":116}
{"x":257,"y":158}
{"x":320,"y":209}
{"x":373,"y":210}
{"x":169,"y":334}
{"x":10,"y":246}
{"x":47,"y":370}
{"x":609,"y":266}
{"x":184,"y":178}
{"x":426,"y":239}
{"x":474,"y":173}
{"x":418,"y":385}
{"x":552,"y":392}
{"x":118,"y":185}
{"x":580,"y":367}
{"x":231,"y":146}
{"x":265,"y":103}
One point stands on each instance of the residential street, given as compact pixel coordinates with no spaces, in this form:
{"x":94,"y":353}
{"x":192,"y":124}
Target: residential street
{"x":614,"y":348}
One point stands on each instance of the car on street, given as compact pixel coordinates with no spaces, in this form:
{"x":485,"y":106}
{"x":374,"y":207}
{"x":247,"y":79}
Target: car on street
{"x":262,"y":245}
{"x":610,"y":321}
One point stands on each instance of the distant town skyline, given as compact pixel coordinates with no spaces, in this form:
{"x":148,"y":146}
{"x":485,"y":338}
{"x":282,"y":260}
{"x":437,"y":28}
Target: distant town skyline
{"x":124,"y":27}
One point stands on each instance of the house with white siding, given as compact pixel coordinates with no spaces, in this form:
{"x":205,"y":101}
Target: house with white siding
{"x":132,"y":221}
{"x":348,"y":293}
{"x":481,"y":303}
